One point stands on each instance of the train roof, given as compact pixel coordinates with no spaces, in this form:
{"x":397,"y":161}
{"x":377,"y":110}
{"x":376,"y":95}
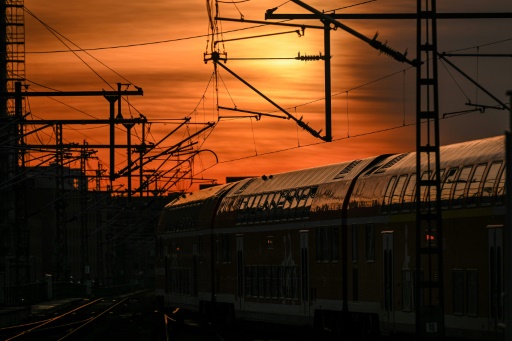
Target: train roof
{"x":453,"y":155}
{"x":300,"y":178}
{"x":472,"y":151}
{"x":202,"y":195}
{"x":393,"y":188}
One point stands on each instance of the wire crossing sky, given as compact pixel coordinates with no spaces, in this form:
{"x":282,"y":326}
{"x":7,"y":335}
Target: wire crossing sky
{"x":160,"y":47}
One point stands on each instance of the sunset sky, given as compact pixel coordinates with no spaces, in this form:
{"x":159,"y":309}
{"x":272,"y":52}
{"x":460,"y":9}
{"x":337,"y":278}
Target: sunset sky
{"x":159,"y":45}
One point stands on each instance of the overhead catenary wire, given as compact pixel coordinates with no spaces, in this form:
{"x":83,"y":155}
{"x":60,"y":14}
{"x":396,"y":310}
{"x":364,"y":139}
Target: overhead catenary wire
{"x":203,"y":101}
{"x":373,"y":132}
{"x":60,"y":37}
{"x":348,"y":135}
{"x":404,"y":124}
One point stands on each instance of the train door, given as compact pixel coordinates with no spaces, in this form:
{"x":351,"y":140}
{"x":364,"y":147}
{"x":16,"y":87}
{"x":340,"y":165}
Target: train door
{"x":495,"y":242}
{"x":387,"y":281}
{"x":240,"y":271}
{"x":304,"y":271}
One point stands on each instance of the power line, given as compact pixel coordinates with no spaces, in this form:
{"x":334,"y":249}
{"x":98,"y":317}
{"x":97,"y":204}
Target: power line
{"x":373,"y":132}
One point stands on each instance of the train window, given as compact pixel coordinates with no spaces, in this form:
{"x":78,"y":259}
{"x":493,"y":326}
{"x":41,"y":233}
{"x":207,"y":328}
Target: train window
{"x":243,"y":203}
{"x":248,"y":280}
{"x":253,"y":201}
{"x":447,"y":185}
{"x":301,"y":205}
{"x":270,"y":242}
{"x":261,"y":210}
{"x":251,"y":210}
{"x":472,"y":289}
{"x":275,"y":280}
{"x":319,"y":244}
{"x":425,"y":176}
{"x":355,"y":243}
{"x":407,"y":290}
{"x":309,"y":200}
{"x":397,"y":193}
{"x":460,"y":186}
{"x":290,"y":197}
{"x":335,"y":243}
{"x":280,"y":281}
{"x":458,"y":291}
{"x":224,"y":205}
{"x":408,"y":198}
{"x":293,"y":285}
{"x":500,"y":190}
{"x":293,"y":204}
{"x":428,"y":194}
{"x":370,"y":242}
{"x":433,"y":189}
{"x":261,"y":281}
{"x":179,"y":281}
{"x":272,"y":202}
{"x":223,"y":249}
{"x":195,"y":250}
{"x":280,"y":205}
{"x":240,"y":217}
{"x":474,"y":185}
{"x":322,"y":238}
{"x":229,"y":205}
{"x":327,"y":244}
{"x":254,"y":281}
{"x":218,"y":251}
{"x":202,"y":244}
{"x":268,"y":281}
{"x":489,"y":183}
{"x":237,"y":203}
{"x":387,"y":195}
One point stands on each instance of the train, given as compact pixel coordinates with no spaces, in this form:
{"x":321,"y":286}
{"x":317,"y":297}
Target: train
{"x":333,"y":247}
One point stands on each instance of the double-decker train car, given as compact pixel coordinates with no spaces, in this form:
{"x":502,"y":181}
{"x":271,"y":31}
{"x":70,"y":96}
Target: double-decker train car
{"x":335,"y":246}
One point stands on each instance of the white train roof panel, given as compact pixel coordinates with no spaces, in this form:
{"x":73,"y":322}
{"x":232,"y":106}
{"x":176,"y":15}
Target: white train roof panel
{"x":300,"y":178}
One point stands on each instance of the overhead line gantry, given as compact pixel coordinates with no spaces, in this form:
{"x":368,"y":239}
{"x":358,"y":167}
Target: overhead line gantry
{"x":429,"y":288}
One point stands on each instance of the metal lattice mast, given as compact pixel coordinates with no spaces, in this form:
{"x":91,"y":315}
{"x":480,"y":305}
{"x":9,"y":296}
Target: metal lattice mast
{"x":429,"y":289}
{"x":13,"y":231}
{"x":13,"y":57}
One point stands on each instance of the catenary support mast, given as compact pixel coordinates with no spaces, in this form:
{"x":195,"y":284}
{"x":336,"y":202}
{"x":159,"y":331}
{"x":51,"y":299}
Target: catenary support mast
{"x":429,"y":288}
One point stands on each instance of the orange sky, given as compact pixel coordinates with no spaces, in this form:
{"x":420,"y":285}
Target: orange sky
{"x":174,"y":78}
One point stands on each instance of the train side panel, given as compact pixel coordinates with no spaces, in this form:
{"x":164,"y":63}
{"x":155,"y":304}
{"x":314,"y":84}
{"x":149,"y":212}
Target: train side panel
{"x":334,"y":247}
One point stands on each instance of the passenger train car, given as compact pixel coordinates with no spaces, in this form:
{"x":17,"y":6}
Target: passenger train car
{"x":307,"y":247}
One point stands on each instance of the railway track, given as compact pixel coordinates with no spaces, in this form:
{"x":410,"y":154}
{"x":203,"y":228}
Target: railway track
{"x":180,"y":326}
{"x":131,"y":317}
{"x":135,"y":317}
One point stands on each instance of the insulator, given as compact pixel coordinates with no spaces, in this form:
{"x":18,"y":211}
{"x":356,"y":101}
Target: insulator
{"x":308,"y":58}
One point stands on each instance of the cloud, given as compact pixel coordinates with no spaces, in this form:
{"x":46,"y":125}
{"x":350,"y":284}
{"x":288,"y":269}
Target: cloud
{"x":177,"y":83}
